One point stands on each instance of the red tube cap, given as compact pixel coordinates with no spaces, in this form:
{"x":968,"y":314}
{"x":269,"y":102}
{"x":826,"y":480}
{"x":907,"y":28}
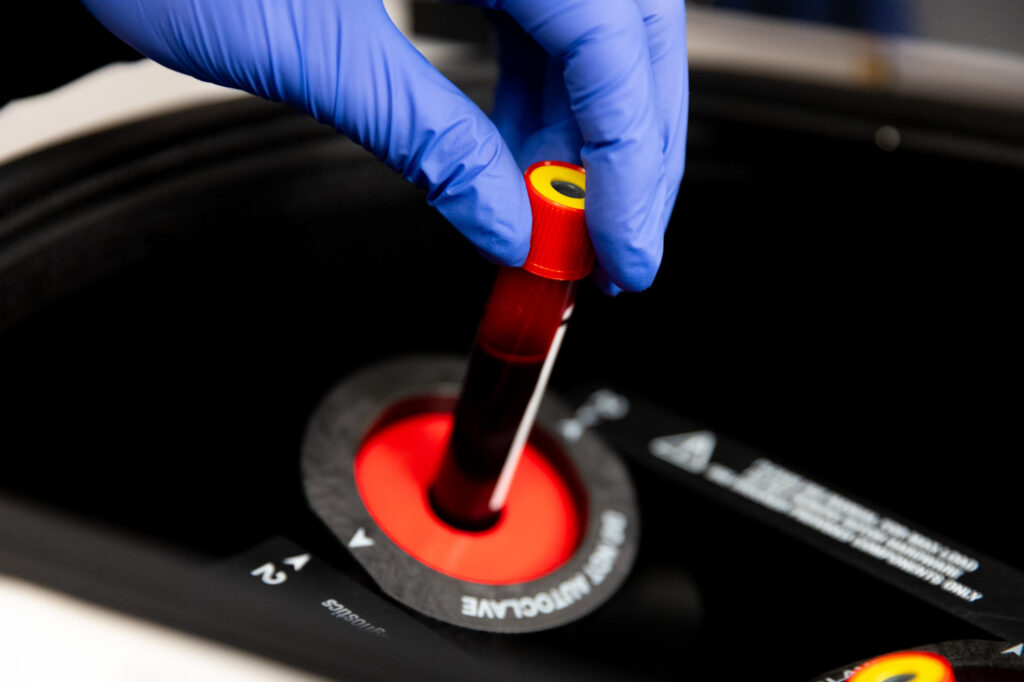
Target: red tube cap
{"x":560,"y":247}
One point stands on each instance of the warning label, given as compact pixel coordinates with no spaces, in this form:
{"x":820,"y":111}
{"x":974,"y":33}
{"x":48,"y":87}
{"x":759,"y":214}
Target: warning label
{"x":972,"y":586}
{"x":850,"y":523}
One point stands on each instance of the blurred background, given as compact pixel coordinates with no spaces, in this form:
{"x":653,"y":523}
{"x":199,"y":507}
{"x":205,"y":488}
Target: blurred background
{"x":938,"y":48}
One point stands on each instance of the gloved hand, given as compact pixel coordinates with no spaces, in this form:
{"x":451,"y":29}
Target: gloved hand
{"x":606,"y":82}
{"x":613,"y":92}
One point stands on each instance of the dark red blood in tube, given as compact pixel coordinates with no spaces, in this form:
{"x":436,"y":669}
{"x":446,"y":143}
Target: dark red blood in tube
{"x":519,"y":324}
{"x":522,"y":325}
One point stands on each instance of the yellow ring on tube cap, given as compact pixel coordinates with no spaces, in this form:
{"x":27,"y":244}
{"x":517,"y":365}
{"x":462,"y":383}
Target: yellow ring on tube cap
{"x":542,"y":178}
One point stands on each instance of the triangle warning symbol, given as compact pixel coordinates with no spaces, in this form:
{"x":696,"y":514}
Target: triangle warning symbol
{"x":689,"y":451}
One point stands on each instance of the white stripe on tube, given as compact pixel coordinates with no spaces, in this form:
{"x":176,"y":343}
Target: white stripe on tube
{"x":515,"y":451}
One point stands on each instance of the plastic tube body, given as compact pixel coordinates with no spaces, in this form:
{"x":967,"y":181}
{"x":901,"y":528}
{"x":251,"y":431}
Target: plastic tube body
{"x":515,"y":348}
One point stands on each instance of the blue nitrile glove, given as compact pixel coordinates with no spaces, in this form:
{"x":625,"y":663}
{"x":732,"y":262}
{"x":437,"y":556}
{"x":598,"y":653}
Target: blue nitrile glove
{"x":604,"y":82}
{"x":345,"y":63}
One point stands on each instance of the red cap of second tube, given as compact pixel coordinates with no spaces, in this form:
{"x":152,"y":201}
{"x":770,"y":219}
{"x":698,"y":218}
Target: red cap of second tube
{"x":560,"y":247}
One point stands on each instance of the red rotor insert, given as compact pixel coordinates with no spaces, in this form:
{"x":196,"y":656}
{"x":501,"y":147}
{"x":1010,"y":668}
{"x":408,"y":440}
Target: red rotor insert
{"x":538,"y":531}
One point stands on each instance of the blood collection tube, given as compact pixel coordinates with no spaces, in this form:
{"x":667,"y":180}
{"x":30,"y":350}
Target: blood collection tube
{"x":516,"y":344}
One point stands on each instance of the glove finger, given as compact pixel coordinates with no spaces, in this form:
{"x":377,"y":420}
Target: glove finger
{"x":347,"y":65}
{"x":556,"y":135}
{"x":559,"y":141}
{"x":604,"y":284}
{"x":439,"y":139}
{"x":666,"y":35}
{"x":518,"y":100}
{"x":609,"y":79}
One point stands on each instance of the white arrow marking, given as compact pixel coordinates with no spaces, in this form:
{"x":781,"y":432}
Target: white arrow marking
{"x":360,"y":540}
{"x":298,"y":562}
{"x":1019,"y":650}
